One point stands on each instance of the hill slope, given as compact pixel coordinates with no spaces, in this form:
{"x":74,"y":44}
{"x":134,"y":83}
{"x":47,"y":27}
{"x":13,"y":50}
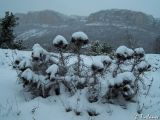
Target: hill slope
{"x":108,"y":25}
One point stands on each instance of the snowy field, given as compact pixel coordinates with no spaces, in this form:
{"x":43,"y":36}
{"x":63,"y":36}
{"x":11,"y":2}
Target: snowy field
{"x":15,"y":104}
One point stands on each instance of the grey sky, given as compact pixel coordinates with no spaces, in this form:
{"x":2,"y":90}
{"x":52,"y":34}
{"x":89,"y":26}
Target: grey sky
{"x":80,"y":7}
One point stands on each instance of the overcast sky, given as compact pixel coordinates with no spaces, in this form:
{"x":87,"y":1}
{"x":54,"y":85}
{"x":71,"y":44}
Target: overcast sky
{"x":79,"y":7}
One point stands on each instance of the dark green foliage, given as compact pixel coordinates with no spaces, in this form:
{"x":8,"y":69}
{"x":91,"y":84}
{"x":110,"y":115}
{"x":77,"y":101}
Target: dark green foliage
{"x":106,"y":48}
{"x":157,"y":45}
{"x":7,"y":35}
{"x":98,"y":48}
{"x":18,"y":44}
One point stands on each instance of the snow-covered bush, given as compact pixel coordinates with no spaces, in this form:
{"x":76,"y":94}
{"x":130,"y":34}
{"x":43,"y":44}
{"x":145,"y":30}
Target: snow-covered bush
{"x":123,"y":86}
{"x":114,"y":77}
{"x":128,"y":67}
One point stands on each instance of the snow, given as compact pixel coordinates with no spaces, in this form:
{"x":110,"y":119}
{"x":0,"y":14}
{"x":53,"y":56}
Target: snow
{"x":52,"y":70}
{"x":31,"y":33}
{"x":139,"y":51}
{"x":130,"y":90}
{"x":15,"y":103}
{"x":38,"y":50}
{"x":106,"y":60}
{"x":79,"y":35}
{"x":31,"y":76}
{"x":143,"y":65}
{"x":59,"y":39}
{"x":123,"y":50}
{"x":98,"y":64}
{"x":124,"y":76}
{"x":25,"y":63}
{"x":27,"y":74}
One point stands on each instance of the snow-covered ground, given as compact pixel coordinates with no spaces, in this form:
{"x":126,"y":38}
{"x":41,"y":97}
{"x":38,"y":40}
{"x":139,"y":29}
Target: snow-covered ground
{"x":31,"y":33}
{"x":15,"y":104}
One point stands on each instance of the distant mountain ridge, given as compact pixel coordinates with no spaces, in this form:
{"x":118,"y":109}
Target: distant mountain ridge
{"x":125,"y":17}
{"x":42,"y":17}
{"x":106,"y":25}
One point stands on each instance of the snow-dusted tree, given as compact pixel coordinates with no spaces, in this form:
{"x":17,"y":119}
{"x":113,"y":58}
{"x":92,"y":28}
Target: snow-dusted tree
{"x":7,"y":35}
{"x":7,"y":25}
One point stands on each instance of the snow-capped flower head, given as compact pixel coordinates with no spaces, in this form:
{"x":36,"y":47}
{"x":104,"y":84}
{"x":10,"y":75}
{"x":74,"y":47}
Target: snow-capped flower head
{"x":125,"y":78}
{"x":128,"y":92}
{"x":60,"y":42}
{"x":97,"y":67}
{"x":17,"y":61}
{"x":27,"y":74}
{"x":38,"y":53}
{"x":139,"y":52}
{"x":52,"y":71}
{"x":143,"y":66}
{"x":106,"y":61}
{"x":124,"y":53}
{"x":79,"y":38}
{"x":24,"y":64}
